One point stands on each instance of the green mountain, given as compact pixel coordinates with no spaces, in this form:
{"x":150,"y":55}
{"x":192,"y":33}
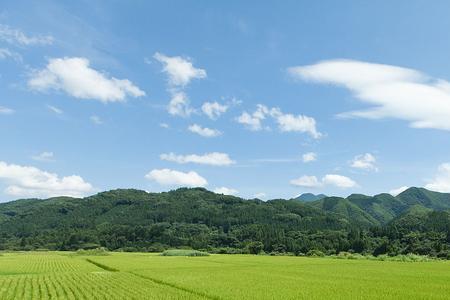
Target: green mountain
{"x":308,"y":197}
{"x":415,"y":221}
{"x":380,"y":209}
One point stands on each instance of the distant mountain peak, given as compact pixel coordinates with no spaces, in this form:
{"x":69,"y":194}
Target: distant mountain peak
{"x":308,"y":197}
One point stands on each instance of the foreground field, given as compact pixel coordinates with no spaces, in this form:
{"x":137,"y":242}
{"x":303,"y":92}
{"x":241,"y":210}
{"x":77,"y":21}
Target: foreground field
{"x":62,"y":275}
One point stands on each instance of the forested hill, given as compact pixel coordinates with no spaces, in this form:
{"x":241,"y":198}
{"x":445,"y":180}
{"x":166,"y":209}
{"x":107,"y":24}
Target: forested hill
{"x":415,"y":221}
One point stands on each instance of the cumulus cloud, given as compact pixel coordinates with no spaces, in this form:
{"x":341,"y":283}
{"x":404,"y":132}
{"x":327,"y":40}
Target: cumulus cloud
{"x":286,"y":122}
{"x":6,"y":110}
{"x":338,"y":181}
{"x":55,"y":109}
{"x":74,"y":76}
{"x":254,"y":121}
{"x":44,"y":156}
{"x":392,"y":91}
{"x":204,"y":131}
{"x":364,"y":162}
{"x":180,"y":71}
{"x":441,"y":182}
{"x":179,"y":105}
{"x":164,"y":125}
{"x":214,"y":109}
{"x":309,"y":157}
{"x":328,"y":180}
{"x":176,"y":178}
{"x":213,"y":158}
{"x":26,"y":181}
{"x":225,"y":191}
{"x":306,"y":181}
{"x":299,"y":123}
{"x":398,"y":191}
{"x":17,"y":37}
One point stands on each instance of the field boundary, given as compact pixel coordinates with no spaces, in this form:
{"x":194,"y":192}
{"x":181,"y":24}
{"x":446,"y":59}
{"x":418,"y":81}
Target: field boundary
{"x":161,"y":282}
{"x":101,"y":266}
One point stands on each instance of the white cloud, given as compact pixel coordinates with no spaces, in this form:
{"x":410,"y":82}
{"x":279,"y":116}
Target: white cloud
{"x":179,"y":70}
{"x":260,"y":195}
{"x":309,"y":157}
{"x":306,"y":181}
{"x":96,"y":120}
{"x":179,"y":105}
{"x":338,"y":181}
{"x":204,"y":131}
{"x":176,"y":178}
{"x":214,"y":109}
{"x":213,"y":158}
{"x":25,"y":181}
{"x":44,"y":156}
{"x":329,"y":179}
{"x":399,"y":190}
{"x":6,"y":53}
{"x":17,"y":37}
{"x":392,"y":92}
{"x":6,"y":110}
{"x":300,"y":123}
{"x":253,"y":121}
{"x":286,"y":122}
{"x":164,"y":125}
{"x":225,"y":191}
{"x":74,"y":76}
{"x":55,"y":109}
{"x":365,"y":162}
{"x":441,"y":182}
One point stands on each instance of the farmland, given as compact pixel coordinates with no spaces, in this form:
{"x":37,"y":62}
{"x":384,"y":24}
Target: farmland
{"x":65,"y":275}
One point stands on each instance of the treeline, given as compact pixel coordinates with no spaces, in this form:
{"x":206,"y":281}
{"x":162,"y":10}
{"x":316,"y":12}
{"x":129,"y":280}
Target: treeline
{"x":131,"y":220}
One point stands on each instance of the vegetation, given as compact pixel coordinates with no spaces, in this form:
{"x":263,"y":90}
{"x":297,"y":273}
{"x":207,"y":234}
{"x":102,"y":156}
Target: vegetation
{"x":184,"y":252}
{"x":415,"y":222}
{"x":61,"y":275}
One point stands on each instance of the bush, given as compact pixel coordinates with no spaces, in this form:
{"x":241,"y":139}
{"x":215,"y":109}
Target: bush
{"x":184,"y":252}
{"x":93,"y":252}
{"x":255,"y":247}
{"x":315,"y":253}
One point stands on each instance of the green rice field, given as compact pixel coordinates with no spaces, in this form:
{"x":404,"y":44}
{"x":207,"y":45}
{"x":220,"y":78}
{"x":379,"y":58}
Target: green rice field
{"x":63,"y":275}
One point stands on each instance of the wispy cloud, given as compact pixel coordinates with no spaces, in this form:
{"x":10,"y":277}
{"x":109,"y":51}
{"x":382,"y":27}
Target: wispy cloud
{"x":18,"y":37}
{"x":213,"y":158}
{"x":96,"y":120}
{"x":55,"y":109}
{"x":45,"y":156}
{"x":393,"y":92}
{"x":6,"y":110}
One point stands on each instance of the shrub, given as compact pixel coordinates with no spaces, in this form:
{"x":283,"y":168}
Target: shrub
{"x":184,"y":252}
{"x":255,"y":247}
{"x":93,"y":252}
{"x":315,"y":253}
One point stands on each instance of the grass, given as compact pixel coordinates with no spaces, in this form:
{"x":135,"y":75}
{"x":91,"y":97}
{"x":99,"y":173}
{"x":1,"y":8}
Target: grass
{"x":62,"y":275}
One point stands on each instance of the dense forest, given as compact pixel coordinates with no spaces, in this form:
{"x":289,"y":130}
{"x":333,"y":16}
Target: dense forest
{"x":416,"y":221}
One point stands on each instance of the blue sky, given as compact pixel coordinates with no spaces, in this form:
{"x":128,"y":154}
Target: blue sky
{"x":258,"y":100}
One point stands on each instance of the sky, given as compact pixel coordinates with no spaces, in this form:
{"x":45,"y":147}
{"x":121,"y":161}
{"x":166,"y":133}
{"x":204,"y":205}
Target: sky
{"x":254,"y":99}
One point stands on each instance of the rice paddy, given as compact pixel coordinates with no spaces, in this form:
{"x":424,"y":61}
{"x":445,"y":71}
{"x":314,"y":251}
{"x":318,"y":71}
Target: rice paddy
{"x":63,"y":275}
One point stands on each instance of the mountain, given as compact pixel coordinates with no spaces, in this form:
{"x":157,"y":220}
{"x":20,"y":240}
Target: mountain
{"x":380,"y":209}
{"x":308,"y":197}
{"x":415,"y":221}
